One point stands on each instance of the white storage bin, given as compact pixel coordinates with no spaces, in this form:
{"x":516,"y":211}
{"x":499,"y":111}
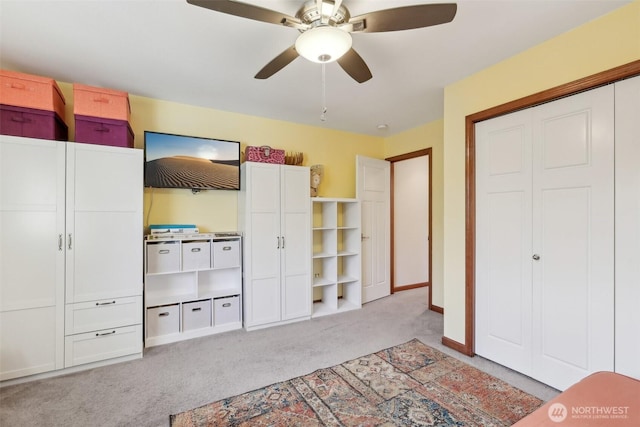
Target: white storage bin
{"x":226,"y":254}
{"x":196,"y":255}
{"x":163,"y":320}
{"x":226,"y":310}
{"x":196,"y":315}
{"x":163,"y":257}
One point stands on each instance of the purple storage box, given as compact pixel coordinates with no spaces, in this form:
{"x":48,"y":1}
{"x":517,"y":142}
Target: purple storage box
{"x":32,"y":123}
{"x":99,"y":130}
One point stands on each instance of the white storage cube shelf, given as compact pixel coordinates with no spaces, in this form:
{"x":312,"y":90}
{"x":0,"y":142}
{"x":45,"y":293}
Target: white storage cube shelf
{"x":336,"y":255}
{"x":184,"y":278}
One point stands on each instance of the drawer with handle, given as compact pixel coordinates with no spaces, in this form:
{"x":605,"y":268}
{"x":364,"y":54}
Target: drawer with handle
{"x":102,"y":345}
{"x":102,"y":314}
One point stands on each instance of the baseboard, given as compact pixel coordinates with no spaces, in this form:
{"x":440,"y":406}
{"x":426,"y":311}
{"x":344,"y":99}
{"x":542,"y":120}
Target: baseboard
{"x":436,"y":308}
{"x":455,"y":345}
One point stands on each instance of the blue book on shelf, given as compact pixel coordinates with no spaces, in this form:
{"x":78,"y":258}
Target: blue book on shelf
{"x":172,"y":228}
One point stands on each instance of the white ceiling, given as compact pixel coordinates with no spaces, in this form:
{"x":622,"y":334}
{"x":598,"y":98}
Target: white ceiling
{"x":171,"y":50}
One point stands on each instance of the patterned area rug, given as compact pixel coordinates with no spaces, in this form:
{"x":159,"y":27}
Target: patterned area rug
{"x":408,"y":385}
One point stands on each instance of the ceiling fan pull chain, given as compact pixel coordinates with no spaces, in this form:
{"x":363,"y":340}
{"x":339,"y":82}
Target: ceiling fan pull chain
{"x":323,"y":116}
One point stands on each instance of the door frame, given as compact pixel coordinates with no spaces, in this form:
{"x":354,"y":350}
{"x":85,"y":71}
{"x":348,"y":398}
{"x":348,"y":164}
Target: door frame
{"x":392,"y":160}
{"x":590,"y":82}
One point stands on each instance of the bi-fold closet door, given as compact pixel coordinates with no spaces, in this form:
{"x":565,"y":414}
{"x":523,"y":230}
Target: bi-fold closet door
{"x":545,"y":238}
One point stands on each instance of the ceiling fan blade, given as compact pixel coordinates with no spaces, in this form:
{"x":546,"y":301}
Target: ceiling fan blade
{"x":355,"y":66}
{"x":278,"y":63}
{"x":245,"y":10}
{"x":404,"y":18}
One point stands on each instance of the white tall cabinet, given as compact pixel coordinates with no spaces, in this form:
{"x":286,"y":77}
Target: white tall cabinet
{"x":70,"y":255}
{"x":274,"y":210}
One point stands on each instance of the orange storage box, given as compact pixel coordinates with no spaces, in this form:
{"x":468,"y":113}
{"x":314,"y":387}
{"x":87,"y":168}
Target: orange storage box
{"x":99,"y":102}
{"x":29,"y":91}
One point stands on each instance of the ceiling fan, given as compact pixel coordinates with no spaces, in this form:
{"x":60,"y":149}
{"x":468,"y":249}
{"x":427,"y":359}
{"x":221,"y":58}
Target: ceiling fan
{"x":326,"y":27}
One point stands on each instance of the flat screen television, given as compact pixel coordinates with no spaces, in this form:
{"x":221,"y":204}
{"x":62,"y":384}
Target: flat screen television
{"x":179,"y":161}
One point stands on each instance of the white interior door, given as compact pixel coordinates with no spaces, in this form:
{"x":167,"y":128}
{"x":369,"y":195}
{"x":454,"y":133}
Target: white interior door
{"x":373,"y":189}
{"x":573,"y":238}
{"x":503,"y":240}
{"x":411,"y":221}
{"x":544,"y":238}
{"x":627,"y":227}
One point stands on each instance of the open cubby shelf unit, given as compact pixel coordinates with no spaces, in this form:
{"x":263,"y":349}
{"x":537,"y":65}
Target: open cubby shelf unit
{"x":336,"y":255}
{"x":193,"y":287}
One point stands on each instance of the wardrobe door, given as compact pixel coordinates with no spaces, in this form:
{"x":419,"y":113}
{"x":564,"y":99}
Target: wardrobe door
{"x":573,"y":229}
{"x":32,"y":256}
{"x":104,"y":222}
{"x":262,"y":244}
{"x":503,"y":240}
{"x":296,"y":242}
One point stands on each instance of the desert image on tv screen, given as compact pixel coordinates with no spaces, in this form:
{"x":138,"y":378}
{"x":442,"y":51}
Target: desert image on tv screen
{"x":175,"y":161}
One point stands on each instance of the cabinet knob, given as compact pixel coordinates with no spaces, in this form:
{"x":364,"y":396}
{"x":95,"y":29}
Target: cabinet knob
{"x":535,"y":257}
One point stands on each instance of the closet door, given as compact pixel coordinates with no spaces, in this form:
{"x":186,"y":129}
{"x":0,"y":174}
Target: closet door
{"x":628,"y":227}
{"x":503,"y":240}
{"x":573,"y":229}
{"x":544,"y":238}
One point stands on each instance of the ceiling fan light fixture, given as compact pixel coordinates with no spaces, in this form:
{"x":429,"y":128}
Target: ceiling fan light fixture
{"x":323,"y":44}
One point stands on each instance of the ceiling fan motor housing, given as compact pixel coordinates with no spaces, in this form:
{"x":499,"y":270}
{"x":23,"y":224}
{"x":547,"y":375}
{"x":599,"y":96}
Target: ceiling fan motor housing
{"x":309,"y":13}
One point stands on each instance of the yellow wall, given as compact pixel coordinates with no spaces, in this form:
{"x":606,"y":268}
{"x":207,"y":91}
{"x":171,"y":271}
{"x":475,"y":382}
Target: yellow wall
{"x":431,"y":136}
{"x":217,"y":210}
{"x":607,"y":42}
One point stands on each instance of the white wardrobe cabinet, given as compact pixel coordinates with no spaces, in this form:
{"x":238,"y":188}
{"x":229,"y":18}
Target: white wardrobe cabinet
{"x":274,"y":212}
{"x":103,"y":275}
{"x":70,"y":255}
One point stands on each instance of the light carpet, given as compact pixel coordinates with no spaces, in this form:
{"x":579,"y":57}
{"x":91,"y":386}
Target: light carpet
{"x":411,"y":384}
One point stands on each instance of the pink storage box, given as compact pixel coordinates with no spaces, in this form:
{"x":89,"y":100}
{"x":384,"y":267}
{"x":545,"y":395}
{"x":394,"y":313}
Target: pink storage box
{"x":29,"y":91}
{"x":100,"y":102}
{"x":32,"y":123}
{"x":98,"y":130}
{"x":264,"y":154}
